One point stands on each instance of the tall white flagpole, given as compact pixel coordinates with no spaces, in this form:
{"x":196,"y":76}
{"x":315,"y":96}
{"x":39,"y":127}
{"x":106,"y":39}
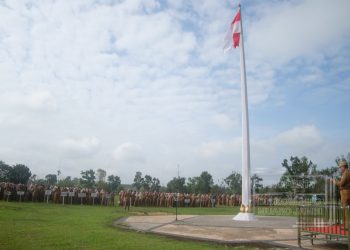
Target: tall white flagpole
{"x":245,"y":210}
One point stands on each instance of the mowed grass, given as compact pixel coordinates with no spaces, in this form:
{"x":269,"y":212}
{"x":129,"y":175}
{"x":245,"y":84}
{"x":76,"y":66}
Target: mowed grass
{"x":220,"y":210}
{"x":42,"y":226}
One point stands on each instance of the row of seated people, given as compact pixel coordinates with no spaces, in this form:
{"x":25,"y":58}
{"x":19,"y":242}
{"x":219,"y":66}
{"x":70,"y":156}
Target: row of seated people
{"x":45,"y":193}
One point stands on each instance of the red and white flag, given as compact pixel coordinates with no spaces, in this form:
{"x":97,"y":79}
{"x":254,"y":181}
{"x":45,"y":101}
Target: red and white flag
{"x":233,"y":36}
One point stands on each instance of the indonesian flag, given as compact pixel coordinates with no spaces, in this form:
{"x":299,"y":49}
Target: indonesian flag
{"x":233,"y":35}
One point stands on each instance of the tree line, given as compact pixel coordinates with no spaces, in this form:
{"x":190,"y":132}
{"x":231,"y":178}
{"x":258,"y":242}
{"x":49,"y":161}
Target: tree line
{"x":21,"y":174}
{"x":300,"y":175}
{"x":18,"y":173}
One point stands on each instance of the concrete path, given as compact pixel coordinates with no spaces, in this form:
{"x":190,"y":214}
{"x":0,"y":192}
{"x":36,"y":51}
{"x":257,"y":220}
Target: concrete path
{"x":265,"y":231}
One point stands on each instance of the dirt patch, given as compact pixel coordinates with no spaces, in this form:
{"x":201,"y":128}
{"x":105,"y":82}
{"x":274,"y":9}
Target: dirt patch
{"x":160,"y":213}
{"x":148,"y":213}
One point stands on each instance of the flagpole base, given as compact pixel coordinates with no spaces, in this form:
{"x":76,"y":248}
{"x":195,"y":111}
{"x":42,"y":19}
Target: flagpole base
{"x":242,"y":216}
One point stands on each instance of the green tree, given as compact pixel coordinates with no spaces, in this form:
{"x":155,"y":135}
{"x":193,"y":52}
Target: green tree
{"x":256,"y":182}
{"x":4,"y":172}
{"x":205,"y":182}
{"x":177,"y":184}
{"x":331,"y":171}
{"x":234,"y":182}
{"x":138,"y":181}
{"x":88,"y":178}
{"x":200,"y":184}
{"x":32,"y":179}
{"x":147,"y":182}
{"x":192,"y":185}
{"x":113,"y":182}
{"x":40,"y":182}
{"x":69,"y":182}
{"x":272,"y":188}
{"x":20,"y":174}
{"x":76,"y":182}
{"x":51,"y":179}
{"x":58,"y":174}
{"x":320,"y":178}
{"x":155,"y":185}
{"x":101,"y":175}
{"x":102,"y":185}
{"x":298,"y":177}
{"x":219,"y":189}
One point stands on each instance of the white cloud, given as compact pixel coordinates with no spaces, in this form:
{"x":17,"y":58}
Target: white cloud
{"x":18,"y":107}
{"x":10,"y":119}
{"x":267,"y":154}
{"x":35,"y":100}
{"x":129,"y":153}
{"x":137,"y":73}
{"x":218,"y":149}
{"x":79,"y":147}
{"x":305,"y":140}
{"x":300,"y":138}
{"x":223,"y":121}
{"x":290,"y":29}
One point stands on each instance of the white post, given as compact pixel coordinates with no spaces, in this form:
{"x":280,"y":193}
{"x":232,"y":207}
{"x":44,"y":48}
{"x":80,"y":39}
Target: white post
{"x":245,"y":211}
{"x":326,"y":180}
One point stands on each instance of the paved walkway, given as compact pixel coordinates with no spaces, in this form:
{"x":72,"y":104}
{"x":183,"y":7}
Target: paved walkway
{"x":265,"y":231}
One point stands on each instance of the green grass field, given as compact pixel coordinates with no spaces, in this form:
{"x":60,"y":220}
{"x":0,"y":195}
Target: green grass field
{"x":42,"y":226}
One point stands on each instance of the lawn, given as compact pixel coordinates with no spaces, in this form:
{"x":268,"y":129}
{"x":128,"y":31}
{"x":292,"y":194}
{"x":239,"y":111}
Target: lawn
{"x":222,"y":210}
{"x":42,"y":226}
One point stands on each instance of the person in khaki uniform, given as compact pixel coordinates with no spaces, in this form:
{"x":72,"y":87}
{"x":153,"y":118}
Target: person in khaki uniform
{"x":344,"y":187}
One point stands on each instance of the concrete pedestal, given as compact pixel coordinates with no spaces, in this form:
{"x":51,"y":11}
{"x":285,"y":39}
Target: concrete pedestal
{"x":244,"y":217}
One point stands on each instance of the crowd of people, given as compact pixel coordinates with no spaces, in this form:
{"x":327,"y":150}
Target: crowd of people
{"x":125,"y":198}
{"x":167,"y":199}
{"x":55,"y":194}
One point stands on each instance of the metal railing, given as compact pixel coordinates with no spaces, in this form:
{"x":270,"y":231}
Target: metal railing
{"x":327,"y":223}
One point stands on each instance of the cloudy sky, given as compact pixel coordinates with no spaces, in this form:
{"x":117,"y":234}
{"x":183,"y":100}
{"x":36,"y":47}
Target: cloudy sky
{"x":144,"y":86}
